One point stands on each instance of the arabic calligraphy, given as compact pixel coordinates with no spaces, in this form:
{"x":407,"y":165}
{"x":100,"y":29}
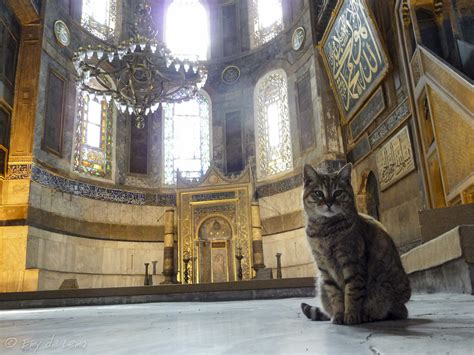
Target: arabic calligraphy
{"x":354,"y":55}
{"x":395,"y":159}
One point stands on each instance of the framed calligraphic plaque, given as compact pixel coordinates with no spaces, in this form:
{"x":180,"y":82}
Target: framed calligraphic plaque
{"x":353,"y":54}
{"x":395,"y":159}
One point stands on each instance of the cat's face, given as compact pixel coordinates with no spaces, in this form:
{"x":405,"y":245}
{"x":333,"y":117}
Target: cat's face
{"x":328,"y":195}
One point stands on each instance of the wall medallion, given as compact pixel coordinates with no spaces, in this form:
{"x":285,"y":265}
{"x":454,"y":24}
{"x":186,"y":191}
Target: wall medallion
{"x":297,"y":40}
{"x":353,"y":54}
{"x":61,"y":32}
{"x":230,"y":74}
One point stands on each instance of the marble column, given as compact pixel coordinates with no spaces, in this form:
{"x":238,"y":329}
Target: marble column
{"x":168,"y":270}
{"x":258,"y":262}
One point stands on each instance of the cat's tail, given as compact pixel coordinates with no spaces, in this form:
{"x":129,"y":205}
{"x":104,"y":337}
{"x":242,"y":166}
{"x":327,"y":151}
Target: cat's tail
{"x":313,"y":313}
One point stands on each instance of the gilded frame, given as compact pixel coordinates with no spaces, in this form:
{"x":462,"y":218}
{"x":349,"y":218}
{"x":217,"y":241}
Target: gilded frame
{"x":383,"y":59}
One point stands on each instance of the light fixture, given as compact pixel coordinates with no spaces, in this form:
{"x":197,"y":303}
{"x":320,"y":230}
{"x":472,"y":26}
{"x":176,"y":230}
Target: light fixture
{"x":139,"y":74}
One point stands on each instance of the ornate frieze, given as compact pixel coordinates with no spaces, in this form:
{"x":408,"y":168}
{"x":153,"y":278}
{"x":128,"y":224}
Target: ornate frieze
{"x":280,"y":186}
{"x":367,"y":114}
{"x":392,"y":121}
{"x":211,"y":196}
{"x":83,"y":189}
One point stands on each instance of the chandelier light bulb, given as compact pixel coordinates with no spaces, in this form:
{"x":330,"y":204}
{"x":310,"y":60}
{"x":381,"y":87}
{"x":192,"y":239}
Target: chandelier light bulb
{"x":153,"y":48}
{"x":176,"y":66}
{"x":111,"y":56}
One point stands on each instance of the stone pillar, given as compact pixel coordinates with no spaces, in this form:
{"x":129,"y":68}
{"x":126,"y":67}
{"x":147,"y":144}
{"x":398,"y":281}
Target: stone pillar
{"x":168,"y":270}
{"x":257,"y":244}
{"x":278,"y":256}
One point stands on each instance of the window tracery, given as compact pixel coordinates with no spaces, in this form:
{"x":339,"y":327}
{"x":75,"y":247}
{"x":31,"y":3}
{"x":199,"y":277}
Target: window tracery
{"x":266,"y":20}
{"x":186,"y":138}
{"x":93,"y":140}
{"x":99,"y":17}
{"x":274,"y":152}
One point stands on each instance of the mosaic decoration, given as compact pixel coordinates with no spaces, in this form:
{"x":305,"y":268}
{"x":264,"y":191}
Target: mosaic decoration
{"x":99,"y":17}
{"x":93,"y":160}
{"x":263,"y":32}
{"x":230,"y":74}
{"x":196,"y":117}
{"x":353,"y":55}
{"x":395,"y":159}
{"x":274,"y":154}
{"x":82,"y":189}
{"x":367,"y":114}
{"x":392,"y":121}
{"x":280,"y":186}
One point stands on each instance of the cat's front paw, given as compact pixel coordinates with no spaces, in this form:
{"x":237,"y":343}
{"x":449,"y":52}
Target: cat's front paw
{"x":338,"y":318}
{"x":352,"y":318}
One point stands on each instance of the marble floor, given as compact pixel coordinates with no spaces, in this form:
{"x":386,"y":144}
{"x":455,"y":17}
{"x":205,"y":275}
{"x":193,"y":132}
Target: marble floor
{"x":438,"y":324}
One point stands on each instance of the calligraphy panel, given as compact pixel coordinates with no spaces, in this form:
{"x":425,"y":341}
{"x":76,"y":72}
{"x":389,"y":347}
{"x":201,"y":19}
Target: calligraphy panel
{"x":395,"y":159}
{"x":353,"y":54}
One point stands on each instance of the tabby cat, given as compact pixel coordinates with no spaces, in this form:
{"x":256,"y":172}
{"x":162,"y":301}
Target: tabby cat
{"x":361,"y":276}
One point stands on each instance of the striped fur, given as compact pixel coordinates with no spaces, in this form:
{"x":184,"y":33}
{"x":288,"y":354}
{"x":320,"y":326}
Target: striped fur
{"x":361,"y":278}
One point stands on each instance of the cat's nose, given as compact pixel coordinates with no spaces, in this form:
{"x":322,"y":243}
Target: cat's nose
{"x":329,"y":204}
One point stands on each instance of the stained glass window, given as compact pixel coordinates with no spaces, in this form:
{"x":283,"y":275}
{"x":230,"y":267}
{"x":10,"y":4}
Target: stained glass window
{"x":93,"y":147}
{"x":99,"y":17}
{"x":186,"y":138}
{"x":272,"y":125}
{"x":266,"y":20}
{"x":187,"y":29}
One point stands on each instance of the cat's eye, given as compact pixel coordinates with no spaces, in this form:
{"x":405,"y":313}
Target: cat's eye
{"x":337,"y":193}
{"x":319,"y":194}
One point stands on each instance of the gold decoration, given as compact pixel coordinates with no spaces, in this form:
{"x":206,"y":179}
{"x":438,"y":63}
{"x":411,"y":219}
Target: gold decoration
{"x":395,"y":159}
{"x":353,"y":55}
{"x":225,"y":199}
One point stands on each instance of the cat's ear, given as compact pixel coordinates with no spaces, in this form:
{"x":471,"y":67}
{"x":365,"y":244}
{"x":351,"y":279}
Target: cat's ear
{"x":309,"y":175}
{"x":345,"y":172}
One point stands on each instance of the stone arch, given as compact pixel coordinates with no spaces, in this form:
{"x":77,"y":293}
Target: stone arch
{"x":368,"y":196}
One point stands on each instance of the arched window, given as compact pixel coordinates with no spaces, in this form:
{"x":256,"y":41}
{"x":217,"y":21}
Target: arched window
{"x":186,"y":138}
{"x":266,"y":20}
{"x":187,"y":29}
{"x":99,"y":17}
{"x":93,"y":138}
{"x":272,"y":125}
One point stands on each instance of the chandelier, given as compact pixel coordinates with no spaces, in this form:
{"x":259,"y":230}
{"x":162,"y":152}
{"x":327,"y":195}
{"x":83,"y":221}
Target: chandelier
{"x":139,"y":74}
